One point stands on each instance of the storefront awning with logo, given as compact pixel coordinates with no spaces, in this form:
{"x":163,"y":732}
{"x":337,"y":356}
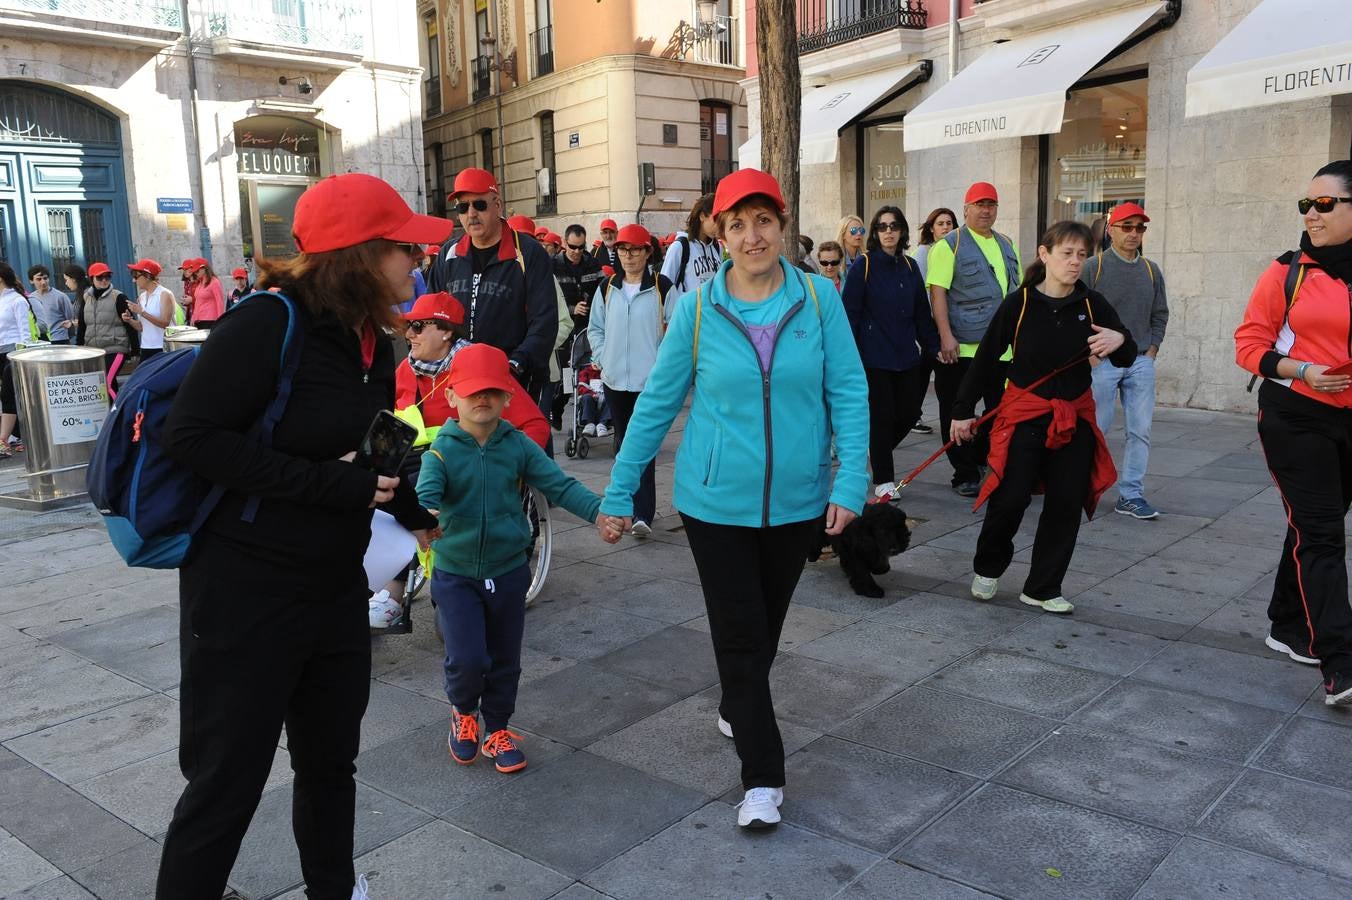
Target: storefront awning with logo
{"x":1019,"y":87}
{"x":1285,"y":50}
{"x":826,"y":110}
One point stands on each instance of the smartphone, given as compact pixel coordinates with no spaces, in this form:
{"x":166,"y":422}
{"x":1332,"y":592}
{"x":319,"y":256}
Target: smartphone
{"x":1343,"y":368}
{"x":386,"y":443}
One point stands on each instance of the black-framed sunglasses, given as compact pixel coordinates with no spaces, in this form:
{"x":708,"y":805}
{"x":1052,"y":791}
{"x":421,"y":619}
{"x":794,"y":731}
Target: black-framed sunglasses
{"x":1129,"y":228}
{"x":577,"y":248}
{"x":419,"y":325}
{"x":410,"y":249}
{"x":1320,"y":204}
{"x":102,"y":277}
{"x":137,"y":273}
{"x":828,"y":262}
{"x":463,"y":206}
{"x":889,"y":226}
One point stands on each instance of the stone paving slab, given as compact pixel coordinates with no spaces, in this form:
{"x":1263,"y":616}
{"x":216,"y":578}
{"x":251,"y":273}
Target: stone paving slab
{"x":142,"y":646}
{"x":1201,"y":870}
{"x":889,"y":880}
{"x":1023,"y":682}
{"x":63,"y":888}
{"x":20,"y":867}
{"x":100,"y":742}
{"x":1071,"y":642}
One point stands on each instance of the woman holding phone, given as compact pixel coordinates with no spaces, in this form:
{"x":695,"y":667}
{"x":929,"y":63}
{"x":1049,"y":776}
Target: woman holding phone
{"x":1295,"y":334}
{"x":272,"y":609}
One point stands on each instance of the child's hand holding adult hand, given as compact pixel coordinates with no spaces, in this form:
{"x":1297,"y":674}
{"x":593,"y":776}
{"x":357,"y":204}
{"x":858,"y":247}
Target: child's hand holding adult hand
{"x":612,"y":528}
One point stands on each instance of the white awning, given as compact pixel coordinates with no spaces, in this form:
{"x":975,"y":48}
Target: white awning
{"x":1285,"y":50}
{"x":1019,"y":87}
{"x":826,"y":110}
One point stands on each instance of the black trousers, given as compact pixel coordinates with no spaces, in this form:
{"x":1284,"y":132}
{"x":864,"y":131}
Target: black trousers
{"x":645,"y":498}
{"x":1064,"y":474}
{"x":748,"y":576}
{"x":893,"y":408}
{"x":254,"y":659}
{"x":967,"y":458}
{"x":922,"y":382}
{"x":1309,"y":451}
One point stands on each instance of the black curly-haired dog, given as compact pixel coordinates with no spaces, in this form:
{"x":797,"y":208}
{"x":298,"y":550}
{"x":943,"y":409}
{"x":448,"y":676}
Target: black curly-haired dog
{"x":867,"y":544}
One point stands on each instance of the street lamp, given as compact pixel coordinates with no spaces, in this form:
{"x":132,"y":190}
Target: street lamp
{"x":706,"y":26}
{"x":508,"y":66}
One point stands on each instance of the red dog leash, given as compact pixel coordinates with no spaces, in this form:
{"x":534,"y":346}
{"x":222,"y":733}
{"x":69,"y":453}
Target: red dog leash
{"x":1074,"y":361}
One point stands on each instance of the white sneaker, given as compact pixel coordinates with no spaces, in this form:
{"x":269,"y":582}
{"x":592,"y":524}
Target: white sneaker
{"x":724,"y":727}
{"x":760,"y":808}
{"x":1055,"y":605}
{"x":359,"y":890}
{"x":1274,"y":644}
{"x":602,"y":430}
{"x":383,"y":610}
{"x":641,"y":528}
{"x":984,"y":588}
{"x":887,"y":489}
{"x":589,"y":429}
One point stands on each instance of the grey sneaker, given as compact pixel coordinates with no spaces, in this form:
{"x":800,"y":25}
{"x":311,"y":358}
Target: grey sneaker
{"x":1136,"y":507}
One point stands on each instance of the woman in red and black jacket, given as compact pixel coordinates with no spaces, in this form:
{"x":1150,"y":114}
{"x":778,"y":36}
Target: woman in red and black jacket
{"x":1045,"y":436}
{"x":1295,"y":330}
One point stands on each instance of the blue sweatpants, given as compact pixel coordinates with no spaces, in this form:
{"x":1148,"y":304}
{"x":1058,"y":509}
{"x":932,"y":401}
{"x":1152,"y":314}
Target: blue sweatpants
{"x":482,"y":623}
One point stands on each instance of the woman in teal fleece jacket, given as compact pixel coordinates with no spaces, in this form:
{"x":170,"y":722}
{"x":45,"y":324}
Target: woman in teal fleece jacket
{"x":776,"y":376}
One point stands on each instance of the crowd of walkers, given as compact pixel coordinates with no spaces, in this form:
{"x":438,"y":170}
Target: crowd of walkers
{"x":801,"y":382}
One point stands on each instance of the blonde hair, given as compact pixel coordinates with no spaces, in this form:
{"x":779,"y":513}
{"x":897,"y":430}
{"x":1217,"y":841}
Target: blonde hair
{"x":843,"y":227}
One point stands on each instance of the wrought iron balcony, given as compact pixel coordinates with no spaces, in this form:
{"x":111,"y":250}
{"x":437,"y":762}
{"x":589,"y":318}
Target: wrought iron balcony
{"x":482,"y":74}
{"x":826,"y":23}
{"x":721,"y":47}
{"x":542,"y":50}
{"x":156,"y":13}
{"x":332,"y":25}
{"x":144,"y":22}
{"x":711,"y":170}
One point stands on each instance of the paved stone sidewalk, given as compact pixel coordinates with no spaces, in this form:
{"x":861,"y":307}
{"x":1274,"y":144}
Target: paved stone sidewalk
{"x":1148,"y":747}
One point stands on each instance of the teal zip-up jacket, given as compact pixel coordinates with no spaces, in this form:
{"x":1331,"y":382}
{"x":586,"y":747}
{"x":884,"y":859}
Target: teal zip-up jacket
{"x":477,"y":491}
{"x":757,"y":446}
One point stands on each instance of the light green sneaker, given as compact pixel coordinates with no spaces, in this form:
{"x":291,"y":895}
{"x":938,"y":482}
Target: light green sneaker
{"x":1055,"y":605}
{"x":984,"y":588}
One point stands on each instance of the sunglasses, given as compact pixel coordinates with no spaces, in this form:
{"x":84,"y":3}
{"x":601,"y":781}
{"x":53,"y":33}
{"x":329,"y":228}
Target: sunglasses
{"x":463,"y":206}
{"x":577,"y":248}
{"x":828,"y":262}
{"x":1130,"y":228}
{"x":889,"y":226}
{"x":420,"y":325}
{"x":410,"y":249}
{"x":1320,"y":204}
{"x":856,"y":230}
{"x":137,"y":274}
{"x":103,"y":277}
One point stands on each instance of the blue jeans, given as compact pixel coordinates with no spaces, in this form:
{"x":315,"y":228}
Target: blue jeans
{"x":482,"y":623}
{"x":1137,"y":386}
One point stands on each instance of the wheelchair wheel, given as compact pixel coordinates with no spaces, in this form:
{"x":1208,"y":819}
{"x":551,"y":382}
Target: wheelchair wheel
{"x":570,"y":448}
{"x":583,"y":447}
{"x":541,"y":550}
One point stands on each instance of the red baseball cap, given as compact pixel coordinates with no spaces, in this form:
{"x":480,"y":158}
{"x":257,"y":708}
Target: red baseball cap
{"x":609,"y":271}
{"x":609,"y":223}
{"x":737,"y":186}
{"x":982,"y":190}
{"x":145,"y":265}
{"x":440,"y":306}
{"x":522,"y":225}
{"x":1126,"y":211}
{"x":481,"y":367}
{"x":541,"y":232}
{"x":197,"y":263}
{"x":346,"y":210}
{"x":96,"y":269}
{"x":241,"y":272}
{"x":186,"y":265}
{"x":634,"y":236}
{"x":474,"y":181}
{"x":552,"y":238}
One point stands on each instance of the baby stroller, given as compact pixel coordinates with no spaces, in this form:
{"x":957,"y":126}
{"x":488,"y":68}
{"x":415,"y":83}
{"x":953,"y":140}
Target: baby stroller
{"x":589,"y":394}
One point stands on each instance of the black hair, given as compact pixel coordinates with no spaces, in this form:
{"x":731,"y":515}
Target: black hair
{"x":38,"y":269}
{"x":78,"y":273}
{"x":873,"y":243}
{"x":8,"y":277}
{"x":927,"y":230}
{"x":1340,"y":169}
{"x":577,"y":229}
{"x":1056,"y":235}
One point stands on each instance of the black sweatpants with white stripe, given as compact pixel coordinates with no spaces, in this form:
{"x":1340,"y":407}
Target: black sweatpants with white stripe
{"x":1308,"y":446}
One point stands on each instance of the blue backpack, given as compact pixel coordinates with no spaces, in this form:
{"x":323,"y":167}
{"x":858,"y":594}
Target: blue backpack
{"x":151,"y":504}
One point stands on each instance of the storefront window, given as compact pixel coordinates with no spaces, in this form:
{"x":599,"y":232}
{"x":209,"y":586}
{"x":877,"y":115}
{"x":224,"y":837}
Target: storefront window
{"x":884,"y":172}
{"x":1098,"y":159}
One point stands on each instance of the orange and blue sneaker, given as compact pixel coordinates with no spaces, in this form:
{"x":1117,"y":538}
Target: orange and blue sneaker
{"x":463,"y":740}
{"x":500,"y":746}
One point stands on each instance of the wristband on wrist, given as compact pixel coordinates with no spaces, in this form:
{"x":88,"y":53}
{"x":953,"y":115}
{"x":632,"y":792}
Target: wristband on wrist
{"x":1301,"y":369}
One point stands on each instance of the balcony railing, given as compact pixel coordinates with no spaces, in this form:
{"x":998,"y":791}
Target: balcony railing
{"x":721,"y":47}
{"x":432,"y":95}
{"x":309,"y":24}
{"x":826,"y":23}
{"x":149,"y":13}
{"x":710,"y":171}
{"x":482,"y":77}
{"x":542,"y":50}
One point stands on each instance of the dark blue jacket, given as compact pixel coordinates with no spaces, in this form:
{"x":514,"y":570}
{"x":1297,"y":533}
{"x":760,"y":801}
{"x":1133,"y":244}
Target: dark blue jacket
{"x":889,"y":312}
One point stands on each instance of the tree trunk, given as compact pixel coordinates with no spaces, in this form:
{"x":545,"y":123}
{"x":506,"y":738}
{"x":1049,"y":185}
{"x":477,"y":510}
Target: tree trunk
{"x":780,"y":98}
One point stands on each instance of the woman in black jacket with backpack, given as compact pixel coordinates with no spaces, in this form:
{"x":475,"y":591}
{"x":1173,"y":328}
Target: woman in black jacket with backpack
{"x":884,"y":297}
{"x":274,"y":609}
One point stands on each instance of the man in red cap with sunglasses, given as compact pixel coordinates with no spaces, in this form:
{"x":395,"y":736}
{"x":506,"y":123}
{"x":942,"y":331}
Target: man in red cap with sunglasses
{"x":503,"y":277}
{"x":604,"y":251}
{"x":1135,"y":287}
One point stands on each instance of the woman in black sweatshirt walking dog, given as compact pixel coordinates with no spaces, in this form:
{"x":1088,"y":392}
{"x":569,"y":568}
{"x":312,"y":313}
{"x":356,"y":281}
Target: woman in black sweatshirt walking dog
{"x":1044,"y":439}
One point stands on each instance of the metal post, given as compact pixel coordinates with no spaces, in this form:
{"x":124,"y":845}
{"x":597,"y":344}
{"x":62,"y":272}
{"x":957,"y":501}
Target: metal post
{"x":496,"y":64}
{"x":952,"y":39}
{"x":63,"y":400}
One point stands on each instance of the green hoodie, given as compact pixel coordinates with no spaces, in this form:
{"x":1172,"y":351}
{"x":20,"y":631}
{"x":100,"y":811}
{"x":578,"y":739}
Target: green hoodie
{"x":478,"y":492}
